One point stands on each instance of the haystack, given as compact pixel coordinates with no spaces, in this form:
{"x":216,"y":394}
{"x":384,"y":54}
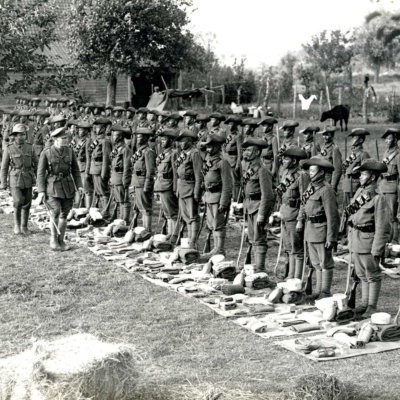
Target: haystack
{"x":76,"y":367}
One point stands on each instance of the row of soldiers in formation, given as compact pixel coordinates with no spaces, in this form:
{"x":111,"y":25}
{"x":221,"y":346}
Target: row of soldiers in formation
{"x":123,"y":161}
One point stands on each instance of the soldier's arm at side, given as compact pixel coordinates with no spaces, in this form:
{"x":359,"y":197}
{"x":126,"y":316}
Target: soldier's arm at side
{"x":275,"y":156}
{"x":197,"y":166}
{"x":5,"y":164}
{"x":239,"y":142}
{"x":76,"y":175}
{"x":41,"y":172}
{"x":329,"y":202}
{"x":150,"y":160}
{"x":105,"y":167}
{"x":88,"y":156}
{"x":227,"y":184}
{"x":337,"y":163}
{"x":127,"y":174}
{"x":34,"y":161}
{"x":267,"y":194}
{"x":174,"y":173}
{"x":382,"y":226}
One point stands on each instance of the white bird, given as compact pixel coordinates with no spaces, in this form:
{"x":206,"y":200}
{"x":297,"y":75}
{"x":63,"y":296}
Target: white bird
{"x":306,"y":103}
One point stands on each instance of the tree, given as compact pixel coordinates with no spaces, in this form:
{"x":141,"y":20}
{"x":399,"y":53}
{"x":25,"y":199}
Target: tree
{"x":286,"y":67}
{"x":331,"y":53}
{"x":110,"y":37}
{"x":372,"y":46}
{"x":27,"y":30}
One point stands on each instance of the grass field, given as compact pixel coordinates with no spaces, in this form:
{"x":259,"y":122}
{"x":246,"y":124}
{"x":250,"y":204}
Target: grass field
{"x":185,"y":350}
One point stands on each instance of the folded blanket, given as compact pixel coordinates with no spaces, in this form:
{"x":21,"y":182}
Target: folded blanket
{"x":306,"y":328}
{"x":142,"y":236}
{"x":344,"y":316}
{"x":261,"y":308}
{"x":227,"y":306}
{"x":276,"y":295}
{"x":291,"y":322}
{"x":232,"y":289}
{"x":258,"y":281}
{"x":293,"y":298}
{"x":225,"y":270}
{"x":217,"y":283}
{"x":306,"y":346}
{"x":257,"y":326}
{"x":389,"y":333}
{"x":162,"y":246}
{"x":351,"y":341}
{"x":189,"y":256}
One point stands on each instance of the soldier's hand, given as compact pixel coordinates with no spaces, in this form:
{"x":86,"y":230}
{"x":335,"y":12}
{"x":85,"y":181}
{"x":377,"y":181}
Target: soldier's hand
{"x":299,"y":226}
{"x":260,"y":220}
{"x":81,"y":191}
{"x":222,"y":209}
{"x":329,"y":245}
{"x":41,"y":197}
{"x":377,"y":259}
{"x":196,"y":199}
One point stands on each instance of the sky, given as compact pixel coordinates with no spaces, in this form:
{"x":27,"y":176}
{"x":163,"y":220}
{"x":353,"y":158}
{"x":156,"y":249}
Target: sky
{"x":265,"y":30}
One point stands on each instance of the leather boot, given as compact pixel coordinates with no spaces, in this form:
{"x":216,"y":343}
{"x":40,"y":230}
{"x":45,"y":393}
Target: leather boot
{"x":214,"y":250}
{"x":193,"y":229}
{"x":62,"y":226}
{"x":126,"y":210}
{"x":147,"y":222}
{"x":260,"y":256}
{"x":292,"y":266}
{"x":299,"y":268}
{"x":54,"y":244}
{"x":318,"y":284}
{"x":395,"y":233}
{"x":327,"y":276}
{"x":105,"y":207}
{"x":88,"y":200}
{"x":17,"y":221}
{"x":220,"y":245}
{"x":24,"y":221}
{"x":364,"y":298}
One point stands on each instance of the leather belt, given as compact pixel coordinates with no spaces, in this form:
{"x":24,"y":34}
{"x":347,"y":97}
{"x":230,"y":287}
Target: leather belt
{"x":254,"y":196}
{"x":139,"y":173}
{"x":61,"y":174}
{"x":367,"y":228}
{"x":391,"y":177}
{"x":317,"y":219}
{"x":167,"y":175}
{"x":232,"y":152}
{"x":98,"y":159}
{"x":214,"y":189}
{"x":294,"y":203}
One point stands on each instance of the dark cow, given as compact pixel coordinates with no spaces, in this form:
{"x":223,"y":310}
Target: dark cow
{"x":338,"y":113}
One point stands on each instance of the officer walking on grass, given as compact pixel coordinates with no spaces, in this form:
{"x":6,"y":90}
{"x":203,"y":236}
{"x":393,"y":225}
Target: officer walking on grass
{"x":369,"y":231}
{"x":20,"y":159}
{"x":319,"y":218}
{"x":58,"y":178}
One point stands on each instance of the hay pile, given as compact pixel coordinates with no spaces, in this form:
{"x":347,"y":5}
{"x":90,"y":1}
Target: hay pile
{"x":77,"y":367}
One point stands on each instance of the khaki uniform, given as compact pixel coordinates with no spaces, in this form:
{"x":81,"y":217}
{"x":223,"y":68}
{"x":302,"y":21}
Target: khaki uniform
{"x":202,"y":137}
{"x":332,"y":153}
{"x":120,"y":177}
{"x":143,"y":173}
{"x":369,"y":231}
{"x":311,"y":148}
{"x":389,"y":187}
{"x":59,"y":176}
{"x":351,"y":184}
{"x":293,"y":183}
{"x":165,"y":183}
{"x":22,"y":163}
{"x":272,"y":152}
{"x":188,"y":167}
{"x":98,"y":165}
{"x":231,"y":152}
{"x":319,"y":210}
{"x":80,"y":147}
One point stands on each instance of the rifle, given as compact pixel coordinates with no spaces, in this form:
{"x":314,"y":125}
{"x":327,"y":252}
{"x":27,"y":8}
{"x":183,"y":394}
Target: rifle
{"x":279,"y":250}
{"x":343,"y":222}
{"x":241,"y":242}
{"x":377,"y":149}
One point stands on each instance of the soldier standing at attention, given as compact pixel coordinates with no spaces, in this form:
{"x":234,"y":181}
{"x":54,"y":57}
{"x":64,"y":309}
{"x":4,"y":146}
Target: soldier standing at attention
{"x":258,"y":197}
{"x":202,"y":132}
{"x":215,"y":121}
{"x":270,"y":154}
{"x":58,"y":178}
{"x":141,"y":117}
{"x":165,"y":183}
{"x":356,"y":157}
{"x":218,"y":191}
{"x":21,"y":159}
{"x":389,"y":182}
{"x":331,"y":153}
{"x":249,"y":127}
{"x":118,"y":118}
{"x":293,"y":183}
{"x":80,"y":148}
{"x":188,"y":168}
{"x":98,"y":163}
{"x":319,"y":213}
{"x":121,"y":171}
{"x":369,"y":231}
{"x":143,"y":172}
{"x":40,"y":131}
{"x":190,"y":121}
{"x":309,"y":145}
{"x":231,"y":151}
